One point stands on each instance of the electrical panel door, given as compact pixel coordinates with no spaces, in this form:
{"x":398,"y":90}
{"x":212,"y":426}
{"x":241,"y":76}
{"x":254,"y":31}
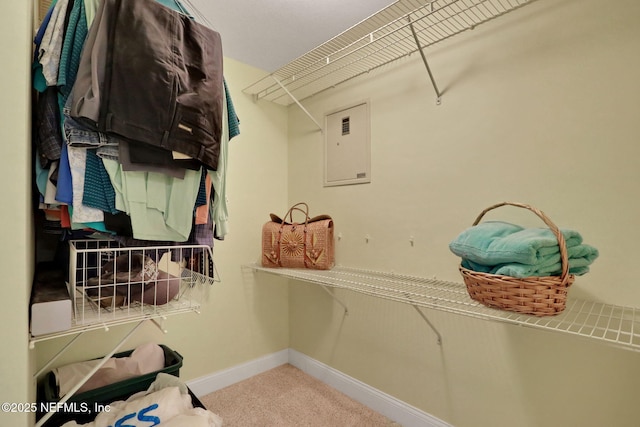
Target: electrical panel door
{"x":347,"y":146}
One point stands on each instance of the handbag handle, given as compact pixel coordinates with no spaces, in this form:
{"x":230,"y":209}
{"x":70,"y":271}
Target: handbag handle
{"x":554,"y":229}
{"x":296,"y":208}
{"x":306,"y":223}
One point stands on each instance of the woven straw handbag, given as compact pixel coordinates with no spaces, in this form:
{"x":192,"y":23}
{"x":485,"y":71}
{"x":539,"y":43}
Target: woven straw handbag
{"x":307,"y":244}
{"x":539,"y":296}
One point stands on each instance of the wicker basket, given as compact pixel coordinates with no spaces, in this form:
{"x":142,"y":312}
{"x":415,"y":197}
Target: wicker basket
{"x":539,"y":296}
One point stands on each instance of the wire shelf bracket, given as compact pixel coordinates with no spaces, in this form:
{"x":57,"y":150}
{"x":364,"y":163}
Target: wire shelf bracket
{"x":433,"y":328}
{"x":89,"y":374}
{"x":420,"y":312}
{"x":336,"y":299}
{"x":297,"y":102}
{"x":424,"y":60}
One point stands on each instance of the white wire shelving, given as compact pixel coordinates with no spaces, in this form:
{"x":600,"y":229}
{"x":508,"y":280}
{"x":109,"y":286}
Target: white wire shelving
{"x":91,"y":313}
{"x":611,"y":324}
{"x":90,"y":317}
{"x":112,"y":285}
{"x":395,"y":32}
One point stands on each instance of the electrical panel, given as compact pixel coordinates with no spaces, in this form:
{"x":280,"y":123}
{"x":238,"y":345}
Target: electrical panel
{"x":347,"y":146}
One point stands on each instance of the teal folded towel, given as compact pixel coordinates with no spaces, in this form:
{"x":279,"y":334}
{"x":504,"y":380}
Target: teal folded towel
{"x":496,"y":242}
{"x":577,"y":267}
{"x":502,"y":248}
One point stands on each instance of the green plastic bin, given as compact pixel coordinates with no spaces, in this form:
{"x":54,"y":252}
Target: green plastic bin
{"x":121,"y":390}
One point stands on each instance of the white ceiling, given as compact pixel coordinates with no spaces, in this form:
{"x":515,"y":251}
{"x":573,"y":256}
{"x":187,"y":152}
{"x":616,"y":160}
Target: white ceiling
{"x":269,"y":33}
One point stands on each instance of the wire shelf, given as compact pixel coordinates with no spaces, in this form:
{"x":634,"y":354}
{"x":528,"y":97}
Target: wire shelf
{"x":110,"y":284}
{"x":381,"y":39}
{"x":612,"y":324}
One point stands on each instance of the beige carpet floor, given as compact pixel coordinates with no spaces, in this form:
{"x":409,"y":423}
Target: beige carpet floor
{"x":287,"y":397}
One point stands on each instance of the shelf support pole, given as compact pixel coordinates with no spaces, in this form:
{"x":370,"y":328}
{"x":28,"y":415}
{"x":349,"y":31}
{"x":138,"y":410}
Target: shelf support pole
{"x":76,"y":387}
{"x":346,"y":310}
{"x":426,"y":64}
{"x":58,"y":354}
{"x":424,"y":317}
{"x":297,"y":102}
{"x":160,"y":324}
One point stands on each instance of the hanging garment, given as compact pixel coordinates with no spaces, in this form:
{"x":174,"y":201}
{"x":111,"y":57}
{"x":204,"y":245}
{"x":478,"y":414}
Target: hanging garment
{"x":174,"y":63}
{"x":39,"y":81}
{"x":75,"y":33}
{"x":64,"y":188}
{"x":218,"y":207}
{"x":98,"y":191}
{"x":201,"y":215}
{"x":86,"y":90}
{"x":82,"y":67}
{"x":51,"y":44}
{"x":160,"y":207}
{"x":48,"y":136}
{"x":77,"y":164}
{"x":128,"y":165}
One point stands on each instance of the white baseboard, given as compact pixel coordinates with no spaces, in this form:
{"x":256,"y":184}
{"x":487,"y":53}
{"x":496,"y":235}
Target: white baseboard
{"x":394,"y":409}
{"x":210,"y":383}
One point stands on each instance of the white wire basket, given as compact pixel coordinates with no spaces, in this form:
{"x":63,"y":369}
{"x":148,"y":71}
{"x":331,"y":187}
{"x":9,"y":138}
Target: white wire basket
{"x":112,"y":284}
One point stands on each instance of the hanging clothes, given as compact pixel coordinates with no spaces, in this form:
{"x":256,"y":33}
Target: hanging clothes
{"x":175,"y":62}
{"x":51,"y":45}
{"x":98,"y":162}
